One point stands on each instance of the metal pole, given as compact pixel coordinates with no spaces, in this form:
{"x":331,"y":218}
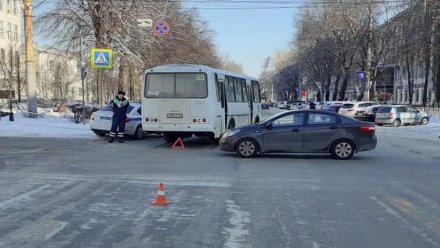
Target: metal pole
{"x":369,"y":53}
{"x":82,"y":81}
{"x":30,"y":58}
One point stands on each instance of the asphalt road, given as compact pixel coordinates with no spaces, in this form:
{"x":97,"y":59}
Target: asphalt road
{"x":87,"y":193}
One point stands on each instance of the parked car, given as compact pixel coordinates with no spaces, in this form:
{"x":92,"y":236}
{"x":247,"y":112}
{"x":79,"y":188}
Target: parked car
{"x":369,"y":114}
{"x":296,"y":105}
{"x":101,"y":121}
{"x":397,"y":115}
{"x":282,"y":105}
{"x":265,"y":105}
{"x":332,"y":106}
{"x":304,"y":131}
{"x":352,"y":108}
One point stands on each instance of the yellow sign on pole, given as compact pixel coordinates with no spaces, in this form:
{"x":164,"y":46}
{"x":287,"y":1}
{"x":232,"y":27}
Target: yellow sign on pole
{"x":101,"y":58}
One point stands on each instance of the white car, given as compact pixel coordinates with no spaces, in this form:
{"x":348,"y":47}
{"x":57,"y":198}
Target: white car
{"x":352,"y":108}
{"x":101,"y":121}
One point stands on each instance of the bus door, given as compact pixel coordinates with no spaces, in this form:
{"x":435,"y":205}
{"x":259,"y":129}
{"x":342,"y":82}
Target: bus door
{"x":222,"y":115}
{"x":256,"y":101}
{"x":250,"y":101}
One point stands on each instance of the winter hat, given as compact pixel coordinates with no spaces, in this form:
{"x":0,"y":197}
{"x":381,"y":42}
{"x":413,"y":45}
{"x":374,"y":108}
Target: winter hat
{"x":121,"y":93}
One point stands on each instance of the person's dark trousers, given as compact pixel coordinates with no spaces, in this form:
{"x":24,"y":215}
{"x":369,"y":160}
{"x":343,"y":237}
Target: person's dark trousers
{"x":118,"y":128}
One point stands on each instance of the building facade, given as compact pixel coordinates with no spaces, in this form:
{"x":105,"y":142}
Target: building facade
{"x":10,"y":45}
{"x":403,"y":75}
{"x":58,"y":76}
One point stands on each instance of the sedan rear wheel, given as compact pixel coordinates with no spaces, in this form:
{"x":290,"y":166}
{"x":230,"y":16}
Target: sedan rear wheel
{"x":397,"y":123}
{"x":139,"y":134}
{"x":100,"y":134}
{"x":424,"y":121}
{"x":247,"y":148}
{"x":343,"y":150}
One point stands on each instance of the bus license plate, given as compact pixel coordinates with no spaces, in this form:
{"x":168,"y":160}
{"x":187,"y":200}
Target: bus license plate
{"x":174,"y":115}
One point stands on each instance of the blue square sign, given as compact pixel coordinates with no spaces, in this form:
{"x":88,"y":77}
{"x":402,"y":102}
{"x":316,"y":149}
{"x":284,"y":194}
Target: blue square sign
{"x":102,"y":58}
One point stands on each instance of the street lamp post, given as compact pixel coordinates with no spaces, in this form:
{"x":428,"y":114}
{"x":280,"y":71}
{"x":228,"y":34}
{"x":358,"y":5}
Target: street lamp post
{"x":83,"y":76}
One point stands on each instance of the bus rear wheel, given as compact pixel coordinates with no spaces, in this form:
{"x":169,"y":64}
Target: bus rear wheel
{"x":170,"y":137}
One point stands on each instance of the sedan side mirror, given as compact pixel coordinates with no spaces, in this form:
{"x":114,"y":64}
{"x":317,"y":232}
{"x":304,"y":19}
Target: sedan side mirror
{"x":268,"y":125}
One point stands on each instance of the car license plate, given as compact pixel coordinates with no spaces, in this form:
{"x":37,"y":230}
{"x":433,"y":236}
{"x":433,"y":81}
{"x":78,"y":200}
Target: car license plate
{"x":174,"y":115}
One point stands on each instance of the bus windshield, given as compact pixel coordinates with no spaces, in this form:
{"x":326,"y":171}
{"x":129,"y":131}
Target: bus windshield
{"x":176,"y":85}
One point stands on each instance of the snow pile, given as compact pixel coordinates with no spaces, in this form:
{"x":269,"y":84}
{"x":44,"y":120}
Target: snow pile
{"x":430,"y":131}
{"x":52,"y":124}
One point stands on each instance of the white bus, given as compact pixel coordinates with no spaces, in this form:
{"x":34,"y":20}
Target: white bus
{"x":185,"y":100}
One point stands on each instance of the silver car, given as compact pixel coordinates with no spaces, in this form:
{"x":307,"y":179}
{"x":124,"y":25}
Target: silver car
{"x":101,"y":121}
{"x":397,"y":115}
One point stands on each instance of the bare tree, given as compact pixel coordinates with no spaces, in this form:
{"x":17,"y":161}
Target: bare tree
{"x":113,"y":24}
{"x":61,"y":79}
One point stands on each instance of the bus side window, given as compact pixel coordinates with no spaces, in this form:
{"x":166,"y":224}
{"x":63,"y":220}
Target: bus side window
{"x":230,"y":94}
{"x":244,"y":90}
{"x":217,"y":88}
{"x":238,"y":90}
{"x":256,"y":91}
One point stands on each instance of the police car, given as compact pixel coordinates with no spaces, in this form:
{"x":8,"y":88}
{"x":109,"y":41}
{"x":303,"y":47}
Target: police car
{"x":101,"y":121}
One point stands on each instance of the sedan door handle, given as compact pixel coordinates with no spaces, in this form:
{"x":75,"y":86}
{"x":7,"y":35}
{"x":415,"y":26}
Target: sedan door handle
{"x":333,"y":127}
{"x":296,"y":130}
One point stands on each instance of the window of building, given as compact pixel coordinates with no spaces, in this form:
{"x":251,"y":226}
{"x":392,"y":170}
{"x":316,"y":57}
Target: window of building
{"x":16,"y":33}
{"x":9,"y":31}
{"x":15,"y":8}
{"x":1,"y":29}
{"x":2,"y":55}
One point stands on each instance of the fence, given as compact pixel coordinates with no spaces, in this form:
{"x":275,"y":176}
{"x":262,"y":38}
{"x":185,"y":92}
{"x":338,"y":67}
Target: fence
{"x":433,"y":112}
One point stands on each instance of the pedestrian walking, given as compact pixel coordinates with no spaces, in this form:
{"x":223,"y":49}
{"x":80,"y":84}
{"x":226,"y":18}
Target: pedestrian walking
{"x":119,"y":106}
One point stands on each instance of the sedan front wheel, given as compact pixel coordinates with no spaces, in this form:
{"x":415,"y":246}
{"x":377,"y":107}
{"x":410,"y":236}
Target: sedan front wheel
{"x":247,"y":148}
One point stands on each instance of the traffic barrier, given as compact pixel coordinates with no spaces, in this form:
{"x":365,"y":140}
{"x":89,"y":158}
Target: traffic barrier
{"x":161,"y":199}
{"x":178,"y":144}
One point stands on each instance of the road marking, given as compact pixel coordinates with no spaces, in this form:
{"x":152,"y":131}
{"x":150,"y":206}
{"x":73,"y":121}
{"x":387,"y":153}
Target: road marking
{"x":315,"y":245}
{"x":237,"y":233}
{"x":38,"y":231}
{"x":412,"y":227}
{"x":22,"y":197}
{"x":429,"y":220}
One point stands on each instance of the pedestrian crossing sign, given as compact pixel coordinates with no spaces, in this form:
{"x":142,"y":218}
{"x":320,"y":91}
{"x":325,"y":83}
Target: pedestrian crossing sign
{"x":101,"y":58}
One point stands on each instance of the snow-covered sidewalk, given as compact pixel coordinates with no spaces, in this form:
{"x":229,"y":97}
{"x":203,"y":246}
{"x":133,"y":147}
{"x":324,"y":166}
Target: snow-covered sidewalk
{"x":52,"y":125}
{"x":430,"y":131}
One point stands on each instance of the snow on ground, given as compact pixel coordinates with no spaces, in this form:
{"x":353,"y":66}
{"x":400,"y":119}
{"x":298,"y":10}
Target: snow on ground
{"x":53,"y":124}
{"x":60,"y":125}
{"x":430,"y":131}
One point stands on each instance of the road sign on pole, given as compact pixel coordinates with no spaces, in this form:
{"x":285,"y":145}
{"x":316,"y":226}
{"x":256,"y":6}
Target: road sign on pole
{"x":101,"y":58}
{"x":161,"y":28}
{"x":145,"y":23}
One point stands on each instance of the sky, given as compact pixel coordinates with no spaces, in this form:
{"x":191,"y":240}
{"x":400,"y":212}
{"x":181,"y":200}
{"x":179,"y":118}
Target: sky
{"x":248,"y":36}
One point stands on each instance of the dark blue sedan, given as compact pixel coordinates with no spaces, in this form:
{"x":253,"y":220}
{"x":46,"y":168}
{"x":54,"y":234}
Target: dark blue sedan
{"x":305,"y":131}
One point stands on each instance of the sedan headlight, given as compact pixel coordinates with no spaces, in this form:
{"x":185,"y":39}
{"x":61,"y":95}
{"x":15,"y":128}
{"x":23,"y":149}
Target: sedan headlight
{"x":230,"y":133}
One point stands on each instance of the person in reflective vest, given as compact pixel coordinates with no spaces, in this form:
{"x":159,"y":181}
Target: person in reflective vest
{"x":119,"y":105}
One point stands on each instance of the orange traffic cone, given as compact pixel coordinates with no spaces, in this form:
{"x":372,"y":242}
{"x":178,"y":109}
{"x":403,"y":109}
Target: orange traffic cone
{"x":161,"y":199}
